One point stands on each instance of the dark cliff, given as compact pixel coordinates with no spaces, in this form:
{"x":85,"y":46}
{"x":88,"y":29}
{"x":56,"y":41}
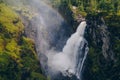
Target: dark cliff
{"x":103,"y":60}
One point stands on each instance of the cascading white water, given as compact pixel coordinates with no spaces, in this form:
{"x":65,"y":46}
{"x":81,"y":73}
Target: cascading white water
{"x":50,"y":32}
{"x":70,"y":60}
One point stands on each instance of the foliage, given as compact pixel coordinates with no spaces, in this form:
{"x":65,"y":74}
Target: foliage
{"x":18,"y":60}
{"x":10,"y":23}
{"x":89,"y":6}
{"x":97,"y":67}
{"x":70,"y":9}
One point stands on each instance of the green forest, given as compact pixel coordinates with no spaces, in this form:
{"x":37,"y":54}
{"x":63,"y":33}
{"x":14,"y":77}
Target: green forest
{"x":18,"y":56}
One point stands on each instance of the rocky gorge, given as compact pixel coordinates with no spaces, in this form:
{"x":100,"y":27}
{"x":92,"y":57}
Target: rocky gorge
{"x":35,"y":31}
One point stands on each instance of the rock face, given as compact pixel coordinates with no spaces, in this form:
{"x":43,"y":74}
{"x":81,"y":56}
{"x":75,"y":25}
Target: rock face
{"x":101,"y":63}
{"x":80,"y":18}
{"x":48,"y":30}
{"x":99,"y":36}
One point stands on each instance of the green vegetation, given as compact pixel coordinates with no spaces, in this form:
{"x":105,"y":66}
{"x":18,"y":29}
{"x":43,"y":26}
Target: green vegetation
{"x":97,"y":67}
{"x":18,"y":60}
{"x":89,"y":6}
{"x":71,"y":8}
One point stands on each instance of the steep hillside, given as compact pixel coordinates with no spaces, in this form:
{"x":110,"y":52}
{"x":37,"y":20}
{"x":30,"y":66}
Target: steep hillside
{"x":18,"y":60}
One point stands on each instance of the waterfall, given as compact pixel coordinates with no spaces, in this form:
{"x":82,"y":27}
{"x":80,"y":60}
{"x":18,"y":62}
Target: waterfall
{"x":50,"y":32}
{"x":70,"y":61}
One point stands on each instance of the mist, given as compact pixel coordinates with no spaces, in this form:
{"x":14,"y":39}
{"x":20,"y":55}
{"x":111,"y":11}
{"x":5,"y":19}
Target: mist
{"x":56,"y":51}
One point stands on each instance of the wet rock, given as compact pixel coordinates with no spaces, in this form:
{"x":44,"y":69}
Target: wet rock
{"x":80,"y":18}
{"x":99,"y":36}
